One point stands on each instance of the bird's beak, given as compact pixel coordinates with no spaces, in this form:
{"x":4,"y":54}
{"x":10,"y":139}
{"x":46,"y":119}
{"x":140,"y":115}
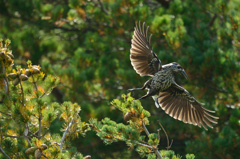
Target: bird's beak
{"x":184,"y":74}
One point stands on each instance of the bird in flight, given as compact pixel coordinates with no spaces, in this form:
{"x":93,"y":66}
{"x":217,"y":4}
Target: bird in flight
{"x":167,"y":94}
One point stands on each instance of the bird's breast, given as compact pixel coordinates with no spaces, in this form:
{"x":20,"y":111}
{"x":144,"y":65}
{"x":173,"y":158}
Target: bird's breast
{"x":162,"y":80}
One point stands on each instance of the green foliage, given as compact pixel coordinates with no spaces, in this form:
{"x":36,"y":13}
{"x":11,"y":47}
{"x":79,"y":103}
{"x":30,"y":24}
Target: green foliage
{"x":26,"y":115}
{"x":170,"y":154}
{"x":110,"y":131}
{"x":190,"y":156}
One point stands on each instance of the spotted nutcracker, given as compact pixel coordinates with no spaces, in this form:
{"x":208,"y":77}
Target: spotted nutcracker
{"x":167,"y":94}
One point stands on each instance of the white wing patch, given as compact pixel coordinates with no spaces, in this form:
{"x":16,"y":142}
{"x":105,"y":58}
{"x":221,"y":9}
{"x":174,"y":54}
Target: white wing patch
{"x":155,"y":98}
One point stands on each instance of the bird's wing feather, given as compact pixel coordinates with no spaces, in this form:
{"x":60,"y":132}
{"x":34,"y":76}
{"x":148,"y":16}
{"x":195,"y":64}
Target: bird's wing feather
{"x":179,"y":104}
{"x":143,"y":59}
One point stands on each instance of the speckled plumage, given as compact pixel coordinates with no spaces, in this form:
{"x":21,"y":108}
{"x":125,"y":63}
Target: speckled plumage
{"x":167,"y":94}
{"x":163,"y":78}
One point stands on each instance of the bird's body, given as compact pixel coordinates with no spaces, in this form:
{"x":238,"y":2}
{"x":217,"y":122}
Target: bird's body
{"x":167,"y":94}
{"x":163,"y":78}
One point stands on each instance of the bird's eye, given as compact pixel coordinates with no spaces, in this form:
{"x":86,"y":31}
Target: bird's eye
{"x":179,"y":67}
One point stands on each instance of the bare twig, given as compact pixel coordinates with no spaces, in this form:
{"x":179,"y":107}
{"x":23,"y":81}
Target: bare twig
{"x":5,"y":113}
{"x":26,"y":131}
{"x":146,"y":130}
{"x":5,"y":80}
{"x":44,"y":156}
{"x":34,"y":134}
{"x":65,"y":133}
{"x":36,"y":87}
{"x":168,"y":146}
{"x":22,"y":92}
{"x":45,"y":133}
{"x":153,"y":148}
{"x":14,"y":136}
{"x":159,"y":134}
{"x":4,"y":153}
{"x":40,"y":125}
{"x":40,"y":113}
{"x":102,"y":7}
{"x":145,"y":145}
{"x":56,"y":143}
{"x":214,"y":88}
{"x":212,"y":20}
{"x":44,"y":93}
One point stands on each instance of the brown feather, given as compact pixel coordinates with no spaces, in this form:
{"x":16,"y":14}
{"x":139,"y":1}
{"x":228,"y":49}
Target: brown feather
{"x":179,"y":104}
{"x":207,"y":122}
{"x":142,"y":54}
{"x":174,"y":105}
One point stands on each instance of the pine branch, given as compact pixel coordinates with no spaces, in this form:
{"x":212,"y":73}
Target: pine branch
{"x":153,"y":148}
{"x":65,"y":133}
{"x":45,"y":133}
{"x":22,"y":92}
{"x":4,"y":153}
{"x":146,"y":130}
{"x":36,"y":87}
{"x":40,"y":125}
{"x":169,"y":146}
{"x":13,"y":136}
{"x":5,"y":79}
{"x":26,"y":134}
{"x":45,"y":92}
{"x":40,"y":113}
{"x":212,"y":20}
{"x":102,"y":7}
{"x":145,"y":145}
{"x":5,"y":113}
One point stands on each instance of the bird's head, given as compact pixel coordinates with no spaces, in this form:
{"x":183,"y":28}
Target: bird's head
{"x":178,"y":69}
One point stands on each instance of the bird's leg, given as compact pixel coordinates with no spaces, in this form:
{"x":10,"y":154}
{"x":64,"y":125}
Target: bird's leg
{"x":135,"y":89}
{"x":144,"y":86}
{"x":150,"y":92}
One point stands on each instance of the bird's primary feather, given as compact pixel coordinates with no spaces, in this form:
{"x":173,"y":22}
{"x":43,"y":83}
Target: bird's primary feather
{"x":179,"y":104}
{"x":143,"y":59}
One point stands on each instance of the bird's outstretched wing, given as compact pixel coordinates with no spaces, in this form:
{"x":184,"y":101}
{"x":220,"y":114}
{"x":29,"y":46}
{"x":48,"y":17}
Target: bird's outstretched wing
{"x":179,"y":104}
{"x":143,"y":59}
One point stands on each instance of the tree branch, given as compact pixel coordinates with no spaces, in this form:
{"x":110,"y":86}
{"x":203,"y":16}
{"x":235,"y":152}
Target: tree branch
{"x":212,"y":20}
{"x":4,"y":153}
{"x":44,"y":93}
{"x":5,"y":113}
{"x":5,"y":80}
{"x":154,"y":149}
{"x":22,"y":92}
{"x":145,"y":145}
{"x":65,"y":133}
{"x":214,"y":88}
{"x":14,"y":136}
{"x":102,"y":7}
{"x":40,"y":125}
{"x":168,"y":146}
{"x":146,"y":130}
